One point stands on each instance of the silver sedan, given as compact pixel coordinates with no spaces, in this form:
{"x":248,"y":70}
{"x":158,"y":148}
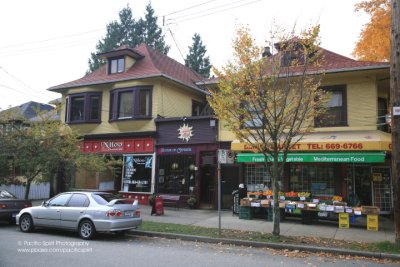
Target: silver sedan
{"x":85,"y":212}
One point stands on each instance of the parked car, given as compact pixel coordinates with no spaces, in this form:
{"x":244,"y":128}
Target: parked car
{"x":10,"y":205}
{"x":85,"y":212}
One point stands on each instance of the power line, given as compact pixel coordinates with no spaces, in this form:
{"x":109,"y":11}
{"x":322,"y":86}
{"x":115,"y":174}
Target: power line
{"x":50,"y":39}
{"x":188,"y":8}
{"x":216,"y":12}
{"x":21,"y":82}
{"x":212,"y":8}
{"x":44,"y":48}
{"x":19,"y":91}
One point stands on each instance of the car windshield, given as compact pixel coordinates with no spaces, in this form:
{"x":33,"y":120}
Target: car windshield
{"x":4,"y":194}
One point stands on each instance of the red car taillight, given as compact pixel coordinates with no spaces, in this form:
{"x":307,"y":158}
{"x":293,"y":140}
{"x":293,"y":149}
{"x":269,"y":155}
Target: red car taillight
{"x":27,"y":205}
{"x":3,"y":206}
{"x":137,"y":213}
{"x":114,"y":213}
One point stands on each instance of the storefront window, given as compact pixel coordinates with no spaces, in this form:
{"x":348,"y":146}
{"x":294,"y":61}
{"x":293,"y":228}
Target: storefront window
{"x":176,"y":174}
{"x":257,"y":177}
{"x":137,"y":173}
{"x":319,"y":180}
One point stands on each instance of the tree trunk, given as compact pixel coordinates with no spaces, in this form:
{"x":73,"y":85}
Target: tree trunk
{"x":275,"y":188}
{"x":395,"y":101}
{"x":27,"y":188}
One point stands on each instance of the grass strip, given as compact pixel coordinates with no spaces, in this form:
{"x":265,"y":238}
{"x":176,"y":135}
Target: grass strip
{"x":383,"y":247}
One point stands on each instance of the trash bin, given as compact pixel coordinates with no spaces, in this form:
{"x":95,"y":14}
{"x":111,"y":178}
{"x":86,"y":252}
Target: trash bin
{"x":158,"y":206}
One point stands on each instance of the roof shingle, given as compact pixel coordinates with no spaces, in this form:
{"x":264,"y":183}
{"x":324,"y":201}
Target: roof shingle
{"x":153,"y":64}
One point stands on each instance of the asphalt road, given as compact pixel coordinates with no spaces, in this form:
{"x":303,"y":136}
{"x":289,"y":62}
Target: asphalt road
{"x":58,"y":248}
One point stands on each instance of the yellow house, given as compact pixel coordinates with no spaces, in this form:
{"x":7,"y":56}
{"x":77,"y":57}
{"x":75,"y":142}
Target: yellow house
{"x":347,"y":153}
{"x":115,"y":107}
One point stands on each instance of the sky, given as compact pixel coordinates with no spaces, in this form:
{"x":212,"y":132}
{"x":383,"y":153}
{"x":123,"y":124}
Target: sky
{"x":44,"y":43}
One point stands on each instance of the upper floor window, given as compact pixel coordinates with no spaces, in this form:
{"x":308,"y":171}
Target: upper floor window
{"x":85,"y":107}
{"x":131,"y":103}
{"x":197,"y":108}
{"x":336,"y":113}
{"x":116,"y":65}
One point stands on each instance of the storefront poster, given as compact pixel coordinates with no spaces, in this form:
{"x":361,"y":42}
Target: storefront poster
{"x":137,"y":173}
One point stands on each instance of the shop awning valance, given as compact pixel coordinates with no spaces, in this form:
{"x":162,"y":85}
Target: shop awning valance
{"x":344,"y":157}
{"x":334,"y":141}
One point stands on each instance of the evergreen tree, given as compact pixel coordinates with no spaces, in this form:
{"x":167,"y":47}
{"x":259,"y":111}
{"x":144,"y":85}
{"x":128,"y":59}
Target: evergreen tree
{"x":128,"y":31}
{"x":196,"y":59}
{"x":150,"y":32}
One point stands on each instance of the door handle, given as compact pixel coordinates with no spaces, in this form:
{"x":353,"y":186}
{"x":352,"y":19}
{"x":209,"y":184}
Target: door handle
{"x":58,"y":210}
{"x":81,"y":211}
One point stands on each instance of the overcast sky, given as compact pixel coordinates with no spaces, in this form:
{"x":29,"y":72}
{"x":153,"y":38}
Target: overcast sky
{"x":48,"y":42}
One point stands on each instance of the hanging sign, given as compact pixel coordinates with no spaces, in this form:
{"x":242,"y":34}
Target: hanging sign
{"x":185,"y":132}
{"x":396,"y":111}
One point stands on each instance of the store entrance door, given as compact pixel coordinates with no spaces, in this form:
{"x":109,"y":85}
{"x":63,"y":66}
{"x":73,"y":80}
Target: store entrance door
{"x":207,"y":186}
{"x":229,"y":183}
{"x":363,"y":184}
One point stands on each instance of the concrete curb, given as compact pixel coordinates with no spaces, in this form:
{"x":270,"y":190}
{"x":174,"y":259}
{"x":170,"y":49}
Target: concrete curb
{"x":268,"y":245}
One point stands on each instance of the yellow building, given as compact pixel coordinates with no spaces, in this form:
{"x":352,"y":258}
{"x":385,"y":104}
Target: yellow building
{"x":347,"y":153}
{"x":115,"y":108}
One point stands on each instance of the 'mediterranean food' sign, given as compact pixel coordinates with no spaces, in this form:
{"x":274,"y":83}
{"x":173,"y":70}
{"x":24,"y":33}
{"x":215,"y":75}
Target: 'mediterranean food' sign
{"x":367,"y":157}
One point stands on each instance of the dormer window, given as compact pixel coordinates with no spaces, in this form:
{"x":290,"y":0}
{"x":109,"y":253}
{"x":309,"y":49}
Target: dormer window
{"x":116,"y":65}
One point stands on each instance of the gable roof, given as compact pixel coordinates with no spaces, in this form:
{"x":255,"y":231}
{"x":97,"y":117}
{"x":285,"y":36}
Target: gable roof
{"x":29,"y":109}
{"x":337,"y":63}
{"x":150,"y":63}
{"x":331,"y":63}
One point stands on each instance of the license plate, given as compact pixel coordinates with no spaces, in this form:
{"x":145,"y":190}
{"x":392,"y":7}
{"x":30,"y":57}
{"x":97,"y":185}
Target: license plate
{"x":129,"y":213}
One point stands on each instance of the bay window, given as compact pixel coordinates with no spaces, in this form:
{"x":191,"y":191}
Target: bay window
{"x":131,"y":103}
{"x":83,"y":108}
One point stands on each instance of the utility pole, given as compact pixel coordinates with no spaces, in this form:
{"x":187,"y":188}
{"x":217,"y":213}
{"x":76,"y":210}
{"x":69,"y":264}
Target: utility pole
{"x":395,"y":103}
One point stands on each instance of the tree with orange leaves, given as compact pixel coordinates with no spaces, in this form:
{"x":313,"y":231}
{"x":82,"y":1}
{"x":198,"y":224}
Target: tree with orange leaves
{"x":374,"y":42}
{"x":270,"y":102}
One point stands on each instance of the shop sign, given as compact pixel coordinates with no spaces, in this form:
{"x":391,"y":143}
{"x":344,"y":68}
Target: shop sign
{"x":368,"y":157}
{"x":185,"y":132}
{"x":225,"y":156}
{"x":112,"y":146}
{"x":396,"y":111}
{"x":176,"y":150}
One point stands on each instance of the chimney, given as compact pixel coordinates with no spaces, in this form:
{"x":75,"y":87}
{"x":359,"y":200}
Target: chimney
{"x":267,"y":52}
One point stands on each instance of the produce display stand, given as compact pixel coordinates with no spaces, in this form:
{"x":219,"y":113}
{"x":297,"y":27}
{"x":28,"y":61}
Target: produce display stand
{"x":310,"y":210}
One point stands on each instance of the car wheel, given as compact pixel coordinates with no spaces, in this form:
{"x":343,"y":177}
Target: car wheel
{"x":26,"y":223}
{"x":86,"y":230}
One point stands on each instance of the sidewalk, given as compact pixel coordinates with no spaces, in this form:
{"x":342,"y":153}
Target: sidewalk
{"x":288,"y":227}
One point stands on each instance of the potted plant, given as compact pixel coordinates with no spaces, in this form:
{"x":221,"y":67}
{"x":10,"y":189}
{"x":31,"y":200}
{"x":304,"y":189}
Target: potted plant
{"x":192,"y":202}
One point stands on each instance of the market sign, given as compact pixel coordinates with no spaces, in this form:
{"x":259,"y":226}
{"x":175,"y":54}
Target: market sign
{"x":367,"y":157}
{"x":331,"y":141}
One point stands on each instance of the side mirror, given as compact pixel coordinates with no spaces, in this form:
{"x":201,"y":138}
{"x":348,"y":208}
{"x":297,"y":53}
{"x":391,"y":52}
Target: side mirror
{"x":45,"y":203}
